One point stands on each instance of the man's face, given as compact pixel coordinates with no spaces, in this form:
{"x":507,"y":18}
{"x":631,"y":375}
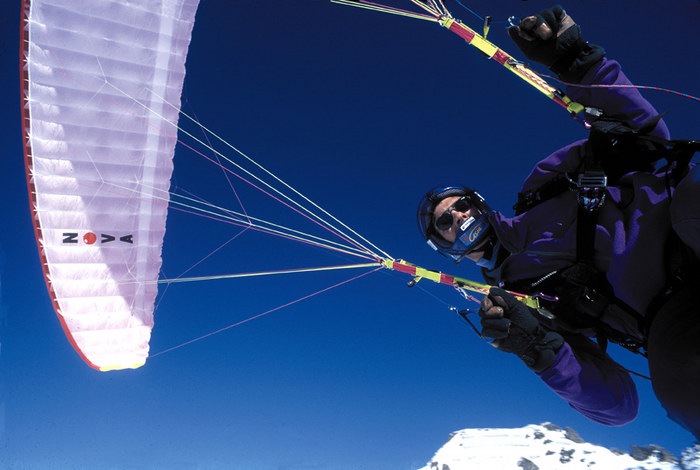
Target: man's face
{"x":446,"y":206}
{"x":458,"y":218}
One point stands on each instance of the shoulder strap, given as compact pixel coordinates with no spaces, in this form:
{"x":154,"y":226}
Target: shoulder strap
{"x":612,"y":149}
{"x":617,"y":149}
{"x":529,"y":199}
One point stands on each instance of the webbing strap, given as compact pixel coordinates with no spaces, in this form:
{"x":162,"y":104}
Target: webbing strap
{"x":585,"y":235}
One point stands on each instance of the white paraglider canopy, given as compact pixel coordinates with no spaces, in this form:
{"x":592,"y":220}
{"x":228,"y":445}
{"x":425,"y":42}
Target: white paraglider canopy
{"x":99,"y":141}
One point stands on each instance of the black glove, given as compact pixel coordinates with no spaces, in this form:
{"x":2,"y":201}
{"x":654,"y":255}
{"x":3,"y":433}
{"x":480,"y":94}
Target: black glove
{"x":554,"y":40}
{"x":516,"y":330}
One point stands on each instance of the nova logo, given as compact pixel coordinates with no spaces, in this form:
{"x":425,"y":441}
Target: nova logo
{"x":90,"y":238}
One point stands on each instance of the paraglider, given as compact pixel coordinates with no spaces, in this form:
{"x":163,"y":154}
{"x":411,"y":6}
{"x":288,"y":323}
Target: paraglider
{"x":99,"y":142}
{"x":377,"y":311}
{"x":129,"y":284}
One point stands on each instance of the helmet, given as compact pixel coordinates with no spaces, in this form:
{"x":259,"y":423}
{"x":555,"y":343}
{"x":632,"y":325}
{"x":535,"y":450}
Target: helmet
{"x":470,"y":235}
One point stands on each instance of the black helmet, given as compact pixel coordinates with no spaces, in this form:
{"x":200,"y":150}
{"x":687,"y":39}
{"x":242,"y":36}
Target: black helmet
{"x":471,"y":233}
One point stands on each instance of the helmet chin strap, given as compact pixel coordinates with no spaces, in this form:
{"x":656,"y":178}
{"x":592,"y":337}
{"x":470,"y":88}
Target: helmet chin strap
{"x":471,"y":234}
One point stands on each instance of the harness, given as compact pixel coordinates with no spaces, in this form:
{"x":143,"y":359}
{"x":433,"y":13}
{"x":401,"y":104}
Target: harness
{"x":584,"y":294}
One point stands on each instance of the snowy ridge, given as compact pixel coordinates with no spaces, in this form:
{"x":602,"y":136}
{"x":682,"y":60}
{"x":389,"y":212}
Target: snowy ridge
{"x":549,"y":447}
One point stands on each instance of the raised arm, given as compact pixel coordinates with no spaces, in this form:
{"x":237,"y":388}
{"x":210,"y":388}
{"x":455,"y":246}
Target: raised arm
{"x":618,"y":100}
{"x":553,"y":39}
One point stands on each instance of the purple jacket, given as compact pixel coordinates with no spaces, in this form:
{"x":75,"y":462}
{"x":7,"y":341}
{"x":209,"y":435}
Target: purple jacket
{"x":629,"y":247}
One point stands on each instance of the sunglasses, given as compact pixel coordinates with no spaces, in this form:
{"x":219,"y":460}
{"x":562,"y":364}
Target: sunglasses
{"x":445,"y":220}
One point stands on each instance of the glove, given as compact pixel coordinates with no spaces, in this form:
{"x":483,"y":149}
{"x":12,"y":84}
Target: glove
{"x":554,"y":40}
{"x":516,"y":330}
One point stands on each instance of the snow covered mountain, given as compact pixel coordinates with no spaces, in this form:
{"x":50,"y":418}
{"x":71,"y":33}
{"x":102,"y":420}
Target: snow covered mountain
{"x":549,"y":447}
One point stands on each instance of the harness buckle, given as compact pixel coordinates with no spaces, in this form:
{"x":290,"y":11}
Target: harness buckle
{"x":590,"y":188}
{"x":592,"y":179}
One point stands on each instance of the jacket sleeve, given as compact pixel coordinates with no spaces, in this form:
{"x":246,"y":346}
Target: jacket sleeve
{"x":619,"y":102}
{"x":592,"y":383}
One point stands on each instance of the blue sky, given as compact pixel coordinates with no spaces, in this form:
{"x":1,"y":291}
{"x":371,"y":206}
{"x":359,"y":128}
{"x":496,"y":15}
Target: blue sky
{"x":361,"y":112}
